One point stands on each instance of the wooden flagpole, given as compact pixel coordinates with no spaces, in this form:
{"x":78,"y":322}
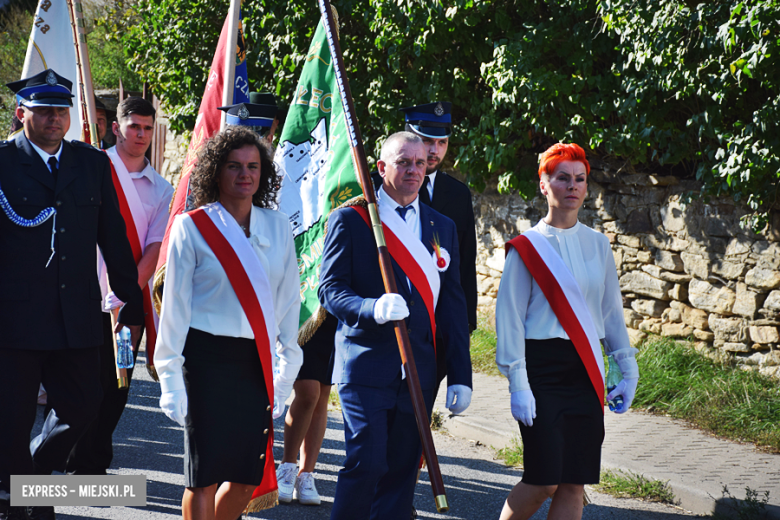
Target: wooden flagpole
{"x":229,"y":76}
{"x":385,"y":265}
{"x":88,"y":109}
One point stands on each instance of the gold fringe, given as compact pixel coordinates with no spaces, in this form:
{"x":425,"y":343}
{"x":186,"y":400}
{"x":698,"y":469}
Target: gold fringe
{"x":152,"y":372}
{"x":264,"y":502}
{"x":157,"y":289}
{"x":310,"y":326}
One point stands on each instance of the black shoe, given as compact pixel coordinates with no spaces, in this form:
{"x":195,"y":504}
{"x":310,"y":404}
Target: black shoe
{"x":41,"y":513}
{"x":8,"y":512}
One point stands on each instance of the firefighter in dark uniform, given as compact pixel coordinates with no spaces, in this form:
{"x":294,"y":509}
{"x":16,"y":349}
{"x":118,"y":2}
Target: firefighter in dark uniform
{"x":58,"y":203}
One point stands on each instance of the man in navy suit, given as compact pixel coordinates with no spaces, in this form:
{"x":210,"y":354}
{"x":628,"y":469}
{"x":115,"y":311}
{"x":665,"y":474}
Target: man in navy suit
{"x":382,"y":441}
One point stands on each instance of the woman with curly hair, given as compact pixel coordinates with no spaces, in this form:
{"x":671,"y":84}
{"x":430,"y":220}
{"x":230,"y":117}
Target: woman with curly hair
{"x":231,"y":295}
{"x":559,"y":300}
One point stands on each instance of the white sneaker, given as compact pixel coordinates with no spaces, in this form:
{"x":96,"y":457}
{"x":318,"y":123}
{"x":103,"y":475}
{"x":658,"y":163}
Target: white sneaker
{"x":285,"y":478}
{"x":306,"y":491}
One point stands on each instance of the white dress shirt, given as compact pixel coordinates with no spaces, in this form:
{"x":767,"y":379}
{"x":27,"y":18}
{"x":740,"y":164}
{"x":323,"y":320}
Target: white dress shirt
{"x":522,"y":311}
{"x":412,"y":218}
{"x":431,"y":180}
{"x":198,"y":294}
{"x":46,"y":155}
{"x":155,"y":194}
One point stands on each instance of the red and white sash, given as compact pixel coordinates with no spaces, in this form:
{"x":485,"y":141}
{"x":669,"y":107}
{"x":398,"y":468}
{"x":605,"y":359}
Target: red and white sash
{"x":250,"y":283}
{"x":566,"y":300}
{"x":413,"y":258}
{"x":137,"y":225}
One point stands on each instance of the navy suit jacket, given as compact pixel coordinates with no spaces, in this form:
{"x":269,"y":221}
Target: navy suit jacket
{"x":351,"y":282}
{"x":58,"y":307}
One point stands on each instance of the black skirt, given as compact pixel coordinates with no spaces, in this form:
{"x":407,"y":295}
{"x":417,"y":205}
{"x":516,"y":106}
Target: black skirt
{"x":229,"y":418}
{"x":564,"y":444}
{"x":318,"y":353}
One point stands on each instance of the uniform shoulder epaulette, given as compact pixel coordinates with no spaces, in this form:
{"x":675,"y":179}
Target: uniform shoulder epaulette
{"x":87,"y":146}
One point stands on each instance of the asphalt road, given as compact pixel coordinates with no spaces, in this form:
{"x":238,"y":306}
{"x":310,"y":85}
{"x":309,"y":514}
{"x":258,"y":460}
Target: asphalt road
{"x":146,"y":442}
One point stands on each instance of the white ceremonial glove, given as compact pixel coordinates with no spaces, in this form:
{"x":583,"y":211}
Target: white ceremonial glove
{"x":390,"y":307}
{"x":174,"y":404}
{"x":627,"y":389}
{"x":458,"y":398}
{"x":524,"y":407}
{"x":279,"y":405}
{"x":112,"y":302}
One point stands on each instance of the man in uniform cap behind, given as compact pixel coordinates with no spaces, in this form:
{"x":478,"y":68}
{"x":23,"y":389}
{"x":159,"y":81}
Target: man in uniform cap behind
{"x":262,"y":112}
{"x":49,"y":293}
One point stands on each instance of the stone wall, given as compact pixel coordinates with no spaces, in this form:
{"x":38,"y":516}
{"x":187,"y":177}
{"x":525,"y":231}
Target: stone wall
{"x":686,"y":271}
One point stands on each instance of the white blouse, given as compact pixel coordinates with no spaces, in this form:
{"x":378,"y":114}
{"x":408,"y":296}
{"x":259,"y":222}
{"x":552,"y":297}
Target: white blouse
{"x":197,"y":294}
{"x":522,"y":311}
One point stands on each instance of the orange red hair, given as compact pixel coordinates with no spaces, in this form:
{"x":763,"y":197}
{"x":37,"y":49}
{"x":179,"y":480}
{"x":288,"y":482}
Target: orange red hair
{"x":560,"y":152}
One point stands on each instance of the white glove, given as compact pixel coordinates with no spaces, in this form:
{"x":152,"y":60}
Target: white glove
{"x":627,"y":389}
{"x":390,"y":307}
{"x":458,"y":398}
{"x":174,"y":404}
{"x":279,"y":406}
{"x":524,"y":407}
{"x":112,"y":302}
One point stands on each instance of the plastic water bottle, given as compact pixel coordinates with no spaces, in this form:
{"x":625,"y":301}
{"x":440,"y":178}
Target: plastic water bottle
{"x":124,"y":349}
{"x":614,"y":376}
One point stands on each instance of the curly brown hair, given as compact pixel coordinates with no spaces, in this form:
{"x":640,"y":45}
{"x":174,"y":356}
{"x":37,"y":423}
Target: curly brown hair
{"x":204,"y":181}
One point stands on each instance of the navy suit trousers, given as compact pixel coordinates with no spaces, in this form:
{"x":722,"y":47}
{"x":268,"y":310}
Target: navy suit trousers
{"x":383,"y":452}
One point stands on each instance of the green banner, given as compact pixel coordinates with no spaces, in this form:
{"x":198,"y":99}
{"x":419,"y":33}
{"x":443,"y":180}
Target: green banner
{"x":315,"y":158}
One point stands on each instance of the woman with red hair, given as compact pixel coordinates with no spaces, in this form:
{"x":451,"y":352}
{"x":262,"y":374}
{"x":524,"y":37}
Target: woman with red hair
{"x":558,"y":302}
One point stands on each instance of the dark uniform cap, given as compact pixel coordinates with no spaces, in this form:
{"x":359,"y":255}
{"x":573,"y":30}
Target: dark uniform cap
{"x":45,"y":89}
{"x":430,"y":120}
{"x":99,"y":105}
{"x":260,"y":111}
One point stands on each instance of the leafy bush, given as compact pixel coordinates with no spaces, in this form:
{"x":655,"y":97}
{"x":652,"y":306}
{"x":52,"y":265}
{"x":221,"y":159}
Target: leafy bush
{"x":688,"y":87}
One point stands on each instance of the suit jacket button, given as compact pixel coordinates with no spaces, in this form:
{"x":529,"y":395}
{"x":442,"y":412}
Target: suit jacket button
{"x":408,"y":331}
{"x":268,"y":408}
{"x":265,"y":432}
{"x":62,"y":286}
{"x":59,"y":203}
{"x":62,"y":257}
{"x":262,"y":456}
{"x":24,"y":199}
{"x":411,"y":303}
{"x":62,"y":230}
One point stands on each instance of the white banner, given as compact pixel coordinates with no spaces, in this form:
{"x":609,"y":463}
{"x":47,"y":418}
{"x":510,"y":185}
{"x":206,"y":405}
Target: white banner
{"x":51,"y":47}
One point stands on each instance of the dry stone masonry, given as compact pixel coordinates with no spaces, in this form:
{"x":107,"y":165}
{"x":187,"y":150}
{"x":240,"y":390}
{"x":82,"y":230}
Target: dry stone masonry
{"x":686,"y":271}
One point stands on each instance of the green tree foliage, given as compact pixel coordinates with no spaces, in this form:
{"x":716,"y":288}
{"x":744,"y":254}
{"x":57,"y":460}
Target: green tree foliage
{"x":15,"y":24}
{"x":657,"y":83}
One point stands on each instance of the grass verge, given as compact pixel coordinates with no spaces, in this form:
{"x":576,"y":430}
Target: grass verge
{"x":512,"y":455}
{"x":722,"y":399}
{"x":334,"y":403}
{"x":626,"y":484}
{"x":483,"y":345}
